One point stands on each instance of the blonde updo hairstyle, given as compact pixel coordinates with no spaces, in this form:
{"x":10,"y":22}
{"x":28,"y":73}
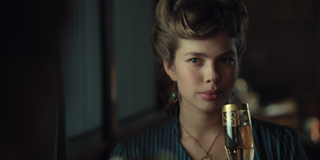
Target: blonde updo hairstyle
{"x":192,"y":19}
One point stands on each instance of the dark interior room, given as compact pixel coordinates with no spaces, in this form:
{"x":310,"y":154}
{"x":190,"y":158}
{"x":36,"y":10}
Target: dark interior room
{"x":77,"y":76}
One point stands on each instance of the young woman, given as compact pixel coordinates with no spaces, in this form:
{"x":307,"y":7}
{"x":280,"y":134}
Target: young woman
{"x":198,"y":45}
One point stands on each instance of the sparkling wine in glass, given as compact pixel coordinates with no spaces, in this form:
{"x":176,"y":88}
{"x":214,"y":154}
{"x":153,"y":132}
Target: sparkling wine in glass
{"x":237,"y":130}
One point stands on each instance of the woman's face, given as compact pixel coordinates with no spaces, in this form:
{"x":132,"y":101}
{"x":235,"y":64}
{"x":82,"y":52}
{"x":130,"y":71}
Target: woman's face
{"x":205,"y":71}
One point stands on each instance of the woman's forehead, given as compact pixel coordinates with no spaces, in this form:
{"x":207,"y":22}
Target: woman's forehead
{"x":219,"y":43}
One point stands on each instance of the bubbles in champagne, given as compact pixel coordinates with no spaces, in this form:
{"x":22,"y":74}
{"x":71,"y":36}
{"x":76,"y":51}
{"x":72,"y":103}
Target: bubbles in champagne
{"x":238,"y":142}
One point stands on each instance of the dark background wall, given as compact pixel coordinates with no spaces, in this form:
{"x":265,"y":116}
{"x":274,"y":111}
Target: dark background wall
{"x":282,"y":57}
{"x":30,"y":79}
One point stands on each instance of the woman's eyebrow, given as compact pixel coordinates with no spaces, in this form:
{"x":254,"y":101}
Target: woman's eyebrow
{"x":228,"y":53}
{"x":205,"y":55}
{"x":196,"y":54}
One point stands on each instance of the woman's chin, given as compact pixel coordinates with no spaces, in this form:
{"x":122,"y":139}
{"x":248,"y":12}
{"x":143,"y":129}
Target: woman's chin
{"x":211,"y":107}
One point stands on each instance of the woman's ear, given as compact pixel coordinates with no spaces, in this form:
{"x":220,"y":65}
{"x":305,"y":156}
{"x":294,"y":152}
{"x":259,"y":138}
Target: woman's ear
{"x":170,"y":69}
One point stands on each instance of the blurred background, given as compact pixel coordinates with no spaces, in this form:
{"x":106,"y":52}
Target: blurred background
{"x":77,"y":76}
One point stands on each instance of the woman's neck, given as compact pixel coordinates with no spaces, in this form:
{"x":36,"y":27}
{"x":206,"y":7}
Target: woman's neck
{"x":200,"y":123}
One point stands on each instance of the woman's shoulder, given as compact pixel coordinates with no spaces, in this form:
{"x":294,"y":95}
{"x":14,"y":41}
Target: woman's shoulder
{"x":153,"y":137}
{"x":268,"y":131}
{"x":262,"y":125}
{"x":157,"y":131}
{"x":276,"y":141}
{"x":271,"y":129}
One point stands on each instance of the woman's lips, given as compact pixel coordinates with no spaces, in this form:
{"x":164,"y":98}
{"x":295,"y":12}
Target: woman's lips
{"x":210,"y":95}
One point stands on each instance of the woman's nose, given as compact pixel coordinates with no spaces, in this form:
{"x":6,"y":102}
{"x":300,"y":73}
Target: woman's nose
{"x":212,"y":75}
{"x":213,"y":79}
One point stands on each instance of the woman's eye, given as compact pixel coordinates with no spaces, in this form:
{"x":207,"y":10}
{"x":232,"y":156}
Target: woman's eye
{"x":194,"y":60}
{"x":228,"y":61}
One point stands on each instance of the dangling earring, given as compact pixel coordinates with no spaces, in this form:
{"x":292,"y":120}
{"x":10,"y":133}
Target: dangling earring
{"x":174,"y":94}
{"x":231,"y":99}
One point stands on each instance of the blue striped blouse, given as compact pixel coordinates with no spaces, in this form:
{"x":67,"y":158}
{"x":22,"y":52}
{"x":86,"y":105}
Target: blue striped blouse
{"x":271,"y":142}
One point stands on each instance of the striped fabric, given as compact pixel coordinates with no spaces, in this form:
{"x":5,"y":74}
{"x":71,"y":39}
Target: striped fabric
{"x":161,"y":142}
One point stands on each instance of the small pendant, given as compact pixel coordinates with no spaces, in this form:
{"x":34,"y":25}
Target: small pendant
{"x":208,"y":157}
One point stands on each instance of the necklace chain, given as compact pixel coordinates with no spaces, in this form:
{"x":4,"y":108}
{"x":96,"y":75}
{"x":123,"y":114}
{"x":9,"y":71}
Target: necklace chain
{"x":207,"y":152}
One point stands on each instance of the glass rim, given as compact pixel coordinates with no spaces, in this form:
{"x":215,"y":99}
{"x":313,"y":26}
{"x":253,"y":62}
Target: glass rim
{"x":235,"y":106}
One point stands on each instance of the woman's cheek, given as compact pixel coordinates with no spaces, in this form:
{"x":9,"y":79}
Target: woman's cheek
{"x":230,"y":75}
{"x":192,"y":76}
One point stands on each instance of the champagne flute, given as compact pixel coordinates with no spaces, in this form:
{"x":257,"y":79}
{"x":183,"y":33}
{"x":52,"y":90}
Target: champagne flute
{"x":237,"y":130}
